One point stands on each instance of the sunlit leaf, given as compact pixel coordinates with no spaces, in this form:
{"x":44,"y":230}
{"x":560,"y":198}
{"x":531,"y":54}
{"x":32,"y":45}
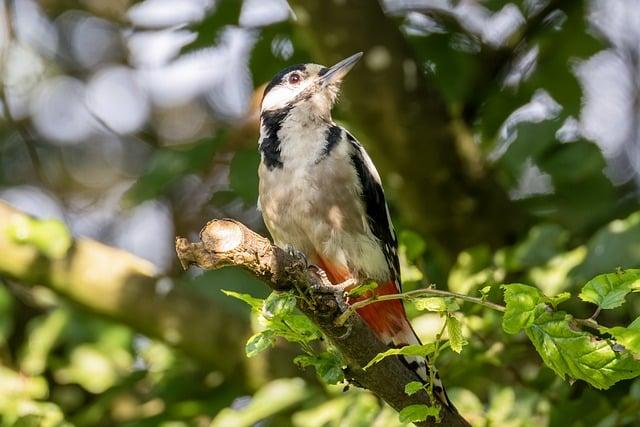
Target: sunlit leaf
{"x":576,"y":353}
{"x":437,"y":304}
{"x":558,"y":299}
{"x":254,"y":303}
{"x":454,"y":330}
{"x":629,"y":337}
{"x":413,"y":387}
{"x":279,"y":304}
{"x":521,"y":302}
{"x":609,"y":290}
{"x":417,"y":413}
{"x":421,"y":350}
{"x":363,"y":289}
{"x":306,"y":330}
{"x":259,"y":342}
{"x":328,"y":365}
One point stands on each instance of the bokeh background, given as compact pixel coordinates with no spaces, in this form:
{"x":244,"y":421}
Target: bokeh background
{"x":506,"y":132}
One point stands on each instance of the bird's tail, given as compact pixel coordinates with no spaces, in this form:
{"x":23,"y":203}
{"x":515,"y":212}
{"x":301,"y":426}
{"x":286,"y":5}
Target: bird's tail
{"x":389,"y":321}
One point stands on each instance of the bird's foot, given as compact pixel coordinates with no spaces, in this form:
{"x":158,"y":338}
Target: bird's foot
{"x":307,"y":265}
{"x":298,"y":255}
{"x":347,"y":285}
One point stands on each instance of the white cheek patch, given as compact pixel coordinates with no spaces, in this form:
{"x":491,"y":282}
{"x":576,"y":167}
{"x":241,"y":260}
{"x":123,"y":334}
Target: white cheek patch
{"x":281,"y":95}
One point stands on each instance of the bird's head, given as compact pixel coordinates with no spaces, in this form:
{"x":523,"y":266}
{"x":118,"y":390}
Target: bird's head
{"x":310,"y":87}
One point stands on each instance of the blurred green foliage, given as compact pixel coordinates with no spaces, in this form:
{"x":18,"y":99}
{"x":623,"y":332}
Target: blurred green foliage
{"x":62,"y":366}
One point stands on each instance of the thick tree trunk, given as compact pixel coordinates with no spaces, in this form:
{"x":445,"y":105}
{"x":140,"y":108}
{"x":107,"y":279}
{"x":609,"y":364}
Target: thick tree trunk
{"x":429,"y":160}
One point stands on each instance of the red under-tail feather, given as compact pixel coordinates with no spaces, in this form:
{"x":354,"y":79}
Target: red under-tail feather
{"x":387,"y":318}
{"x":389,"y":321}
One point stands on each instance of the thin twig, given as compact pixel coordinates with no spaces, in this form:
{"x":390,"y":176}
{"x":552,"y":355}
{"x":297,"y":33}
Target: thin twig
{"x":596,"y":313}
{"x":589,"y":323}
{"x":415,"y":293}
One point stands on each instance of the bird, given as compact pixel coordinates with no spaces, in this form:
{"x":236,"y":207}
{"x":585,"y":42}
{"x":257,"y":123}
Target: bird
{"x":321,"y":195}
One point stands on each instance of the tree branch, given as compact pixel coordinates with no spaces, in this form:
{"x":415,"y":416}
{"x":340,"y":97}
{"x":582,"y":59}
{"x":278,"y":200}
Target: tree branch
{"x":228,"y":242}
{"x":121,"y":286}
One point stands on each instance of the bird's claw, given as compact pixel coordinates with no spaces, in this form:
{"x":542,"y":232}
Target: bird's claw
{"x":299,"y":255}
{"x":346,"y":285}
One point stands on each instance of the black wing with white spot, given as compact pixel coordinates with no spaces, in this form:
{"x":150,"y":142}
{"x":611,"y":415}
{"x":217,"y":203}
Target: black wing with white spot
{"x":376,"y":207}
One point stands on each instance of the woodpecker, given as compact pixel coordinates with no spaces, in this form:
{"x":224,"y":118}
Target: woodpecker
{"x":320,"y":194}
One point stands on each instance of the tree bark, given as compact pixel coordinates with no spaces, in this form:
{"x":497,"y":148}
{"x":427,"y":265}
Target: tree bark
{"x":433,"y":168}
{"x":227,"y":242}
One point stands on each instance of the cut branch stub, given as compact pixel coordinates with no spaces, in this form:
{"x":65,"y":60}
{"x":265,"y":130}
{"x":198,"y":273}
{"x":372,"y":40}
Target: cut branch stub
{"x":227,"y":242}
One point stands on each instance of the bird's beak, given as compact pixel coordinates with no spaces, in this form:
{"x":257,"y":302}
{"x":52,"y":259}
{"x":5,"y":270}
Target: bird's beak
{"x":336,"y":73}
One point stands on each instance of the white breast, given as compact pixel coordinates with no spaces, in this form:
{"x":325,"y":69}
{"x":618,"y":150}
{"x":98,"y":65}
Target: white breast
{"x":315,"y":206}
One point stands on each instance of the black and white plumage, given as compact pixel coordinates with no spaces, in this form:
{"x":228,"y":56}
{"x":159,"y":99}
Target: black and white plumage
{"x":321,"y":194}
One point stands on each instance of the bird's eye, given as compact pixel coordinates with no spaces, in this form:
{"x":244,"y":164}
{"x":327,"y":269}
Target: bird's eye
{"x":294,"y":78}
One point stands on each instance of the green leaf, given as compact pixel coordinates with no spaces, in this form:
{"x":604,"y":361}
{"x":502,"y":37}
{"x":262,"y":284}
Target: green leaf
{"x":484,"y":292}
{"x":279,"y":304}
{"x":259,"y":342}
{"x":254,"y":303}
{"x":609,"y":290}
{"x":437,"y":304}
{"x":431,"y":304}
{"x":421,"y":350}
{"x":413,"y":387}
{"x":454,"y":329}
{"x":328,"y":365}
{"x":363,"y":289}
{"x":558,"y":299}
{"x":521,"y":301}
{"x":417,"y":413}
{"x":576,"y":353}
{"x":629,"y":337}
{"x":304,"y":328}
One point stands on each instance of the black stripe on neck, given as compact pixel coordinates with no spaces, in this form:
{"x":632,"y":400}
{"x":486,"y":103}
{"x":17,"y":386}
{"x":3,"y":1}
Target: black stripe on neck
{"x":332,"y":137}
{"x":270,"y":144}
